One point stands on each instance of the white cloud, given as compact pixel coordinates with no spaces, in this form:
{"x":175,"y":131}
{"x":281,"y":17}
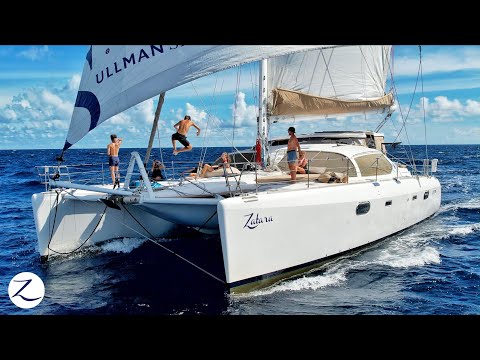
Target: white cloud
{"x":57,"y":104}
{"x":34,"y":52}
{"x":5,"y":99}
{"x":120,"y":119}
{"x":443,"y":59}
{"x":472,"y":107}
{"x":469,"y":133}
{"x":144,"y":111}
{"x":244,"y":115}
{"x":195,"y":114}
{"x":440,"y":110}
{"x":74,"y":82}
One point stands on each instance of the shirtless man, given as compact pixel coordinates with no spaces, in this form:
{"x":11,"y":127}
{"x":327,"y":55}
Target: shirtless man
{"x":113,"y":159}
{"x":292,"y":147}
{"x":182,"y":129}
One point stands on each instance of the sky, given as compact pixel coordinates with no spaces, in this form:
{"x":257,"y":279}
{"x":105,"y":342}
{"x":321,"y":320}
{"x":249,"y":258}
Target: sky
{"x":38,"y":87}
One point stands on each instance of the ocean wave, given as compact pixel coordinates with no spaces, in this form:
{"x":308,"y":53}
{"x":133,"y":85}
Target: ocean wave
{"x":306,"y":282}
{"x":464,"y":229}
{"x":410,"y":249}
{"x":470,"y":204}
{"x":402,"y":255}
{"x":22,"y":174}
{"x":125,"y":245}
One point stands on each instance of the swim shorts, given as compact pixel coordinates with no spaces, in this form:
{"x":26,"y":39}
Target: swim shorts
{"x":292,"y":156}
{"x":181,"y":138}
{"x":113,"y":161}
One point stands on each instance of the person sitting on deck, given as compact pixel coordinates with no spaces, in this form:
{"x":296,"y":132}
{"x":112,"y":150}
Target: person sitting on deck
{"x":157,"y":171}
{"x":225,"y":163}
{"x":302,"y":163}
{"x":193,"y":171}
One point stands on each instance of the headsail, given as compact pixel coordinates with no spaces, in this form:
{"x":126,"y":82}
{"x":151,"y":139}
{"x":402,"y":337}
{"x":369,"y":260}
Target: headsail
{"x":117,"y":77}
{"x":337,"y":80}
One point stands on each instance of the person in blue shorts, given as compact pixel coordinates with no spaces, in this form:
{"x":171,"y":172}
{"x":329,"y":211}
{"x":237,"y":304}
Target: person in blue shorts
{"x":113,"y":160}
{"x":292,"y":147}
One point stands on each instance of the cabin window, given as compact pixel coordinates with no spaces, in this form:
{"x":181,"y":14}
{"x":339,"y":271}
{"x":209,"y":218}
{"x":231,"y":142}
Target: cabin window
{"x":414,"y":197}
{"x":363,"y":208}
{"x":373,"y":164}
{"x":388,"y":203}
{"x":425,"y":196}
{"x":322,"y":161}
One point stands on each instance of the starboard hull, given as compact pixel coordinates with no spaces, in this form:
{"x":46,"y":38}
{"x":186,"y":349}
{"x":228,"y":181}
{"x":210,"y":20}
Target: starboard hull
{"x":272,"y":236}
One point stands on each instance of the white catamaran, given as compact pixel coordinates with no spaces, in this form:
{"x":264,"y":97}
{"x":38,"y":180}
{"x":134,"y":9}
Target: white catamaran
{"x":352,"y":195}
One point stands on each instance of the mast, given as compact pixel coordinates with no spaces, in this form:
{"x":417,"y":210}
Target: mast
{"x":262,"y":132}
{"x":161,"y":98}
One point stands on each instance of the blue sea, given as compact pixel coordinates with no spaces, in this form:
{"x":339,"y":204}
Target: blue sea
{"x":432,"y":268}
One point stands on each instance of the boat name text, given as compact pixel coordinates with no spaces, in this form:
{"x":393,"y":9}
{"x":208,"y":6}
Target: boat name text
{"x":253,"y":221}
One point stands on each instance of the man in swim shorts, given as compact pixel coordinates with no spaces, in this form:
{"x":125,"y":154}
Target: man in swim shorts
{"x":113,"y":160}
{"x":181,"y":135}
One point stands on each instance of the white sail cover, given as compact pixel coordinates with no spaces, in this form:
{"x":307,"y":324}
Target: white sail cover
{"x":118,"y":77}
{"x":334,"y":80}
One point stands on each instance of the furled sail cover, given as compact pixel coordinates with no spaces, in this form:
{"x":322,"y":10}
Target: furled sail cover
{"x":336,"y":80}
{"x":118,"y":77}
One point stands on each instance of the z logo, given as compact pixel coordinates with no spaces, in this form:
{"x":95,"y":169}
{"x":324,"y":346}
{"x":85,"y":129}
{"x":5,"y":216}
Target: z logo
{"x":26,"y":290}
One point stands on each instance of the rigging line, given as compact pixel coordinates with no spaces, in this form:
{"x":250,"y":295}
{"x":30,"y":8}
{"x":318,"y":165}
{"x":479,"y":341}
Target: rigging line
{"x":213,"y":106}
{"x":171,"y":251}
{"x":366,"y":62}
{"x":53,"y":227}
{"x":217,"y":125}
{"x":423,"y":102}
{"x":237,"y":90}
{"x":205,"y":139}
{"x":205,"y":223}
{"x":328,"y":70}
{"x":254,"y":90}
{"x":412,"y":161}
{"x":213,"y":111}
{"x":146,"y":237}
{"x":314,"y":71}
{"x":299,"y":68}
{"x":204,"y":189}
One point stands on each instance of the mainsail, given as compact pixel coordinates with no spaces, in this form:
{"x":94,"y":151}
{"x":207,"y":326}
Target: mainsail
{"x":116,"y":78}
{"x":336,"y":80}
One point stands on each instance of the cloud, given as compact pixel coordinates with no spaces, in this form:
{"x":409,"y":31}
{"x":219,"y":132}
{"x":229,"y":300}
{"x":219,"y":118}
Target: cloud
{"x":443,"y":59}
{"x":244,"y":114}
{"x":440,"y":110}
{"x":34,"y":52}
{"x":74,"y":82}
{"x":195,"y":114}
{"x":55,"y":104}
{"x":469,"y":133}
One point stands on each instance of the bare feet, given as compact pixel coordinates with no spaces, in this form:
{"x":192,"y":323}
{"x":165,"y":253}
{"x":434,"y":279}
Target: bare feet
{"x":175,"y":152}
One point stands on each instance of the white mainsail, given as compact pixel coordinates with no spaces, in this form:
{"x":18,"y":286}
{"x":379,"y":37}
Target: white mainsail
{"x":336,"y":80}
{"x":117,"y":77}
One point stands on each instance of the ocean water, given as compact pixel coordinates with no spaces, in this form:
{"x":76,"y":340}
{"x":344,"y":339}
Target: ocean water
{"x":432,"y":268}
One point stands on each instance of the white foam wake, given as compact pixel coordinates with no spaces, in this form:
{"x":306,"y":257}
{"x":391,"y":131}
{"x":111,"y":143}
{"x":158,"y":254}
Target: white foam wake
{"x":472,"y":204}
{"x":464,"y":229}
{"x":304,"y":283}
{"x":125,"y":245}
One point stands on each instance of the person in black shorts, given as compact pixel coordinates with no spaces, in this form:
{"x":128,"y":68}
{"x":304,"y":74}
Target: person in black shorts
{"x":181,"y":135}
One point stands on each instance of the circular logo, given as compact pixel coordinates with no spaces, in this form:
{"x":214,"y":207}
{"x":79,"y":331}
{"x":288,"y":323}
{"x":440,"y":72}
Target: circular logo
{"x":26,"y":290}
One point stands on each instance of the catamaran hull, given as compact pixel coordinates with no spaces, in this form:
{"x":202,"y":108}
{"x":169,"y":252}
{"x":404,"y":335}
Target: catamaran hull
{"x":276,"y":235}
{"x":64,"y":223}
